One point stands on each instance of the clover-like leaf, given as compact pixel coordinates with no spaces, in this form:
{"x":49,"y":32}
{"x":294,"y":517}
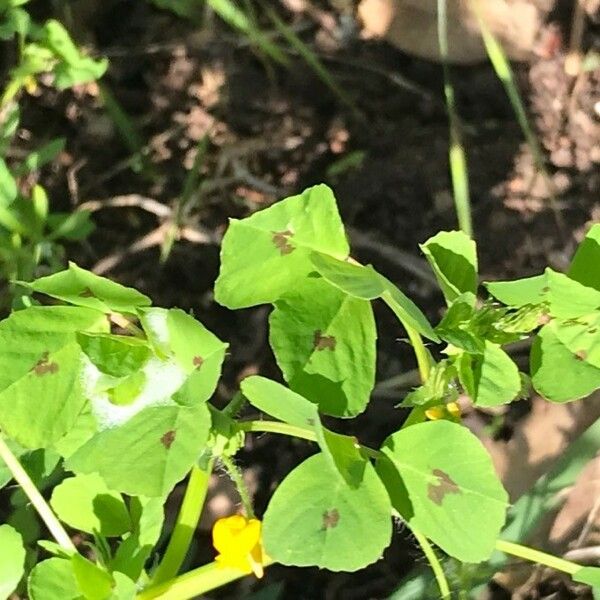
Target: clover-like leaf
{"x":441,"y":480}
{"x":584,"y":267}
{"x":324,"y":342}
{"x":453,"y":258}
{"x":496,"y":377}
{"x":316,"y":518}
{"x":149,"y":453}
{"x":558,"y":373}
{"x":364,"y":282}
{"x":274,"y":399}
{"x":86,"y":503}
{"x":12,"y":563}
{"x":263,"y":255}
{"x":564,"y":297}
{"x":83,"y":288}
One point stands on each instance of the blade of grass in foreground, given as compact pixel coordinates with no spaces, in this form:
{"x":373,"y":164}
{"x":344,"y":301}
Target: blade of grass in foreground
{"x":504,"y":72}
{"x":312,"y":60}
{"x":238,"y":19}
{"x":457,"y":157}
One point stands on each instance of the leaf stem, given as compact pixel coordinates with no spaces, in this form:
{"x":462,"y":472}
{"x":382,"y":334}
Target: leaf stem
{"x":420,"y":351}
{"x":537,"y":556}
{"x":195,"y":583}
{"x":185,"y":525}
{"x":278,"y":427}
{"x":240,"y":484}
{"x":35,"y":497}
{"x":294,"y":431}
{"x":434,"y":562}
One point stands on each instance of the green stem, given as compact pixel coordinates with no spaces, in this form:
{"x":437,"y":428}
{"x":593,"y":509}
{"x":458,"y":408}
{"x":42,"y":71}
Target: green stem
{"x":185,"y":525}
{"x":240,"y":484}
{"x":434,"y":562}
{"x":278,"y":427}
{"x":37,"y":500}
{"x":421,"y":353}
{"x":195,"y":583}
{"x":537,"y":556}
{"x":457,"y":157}
{"x":294,"y":431}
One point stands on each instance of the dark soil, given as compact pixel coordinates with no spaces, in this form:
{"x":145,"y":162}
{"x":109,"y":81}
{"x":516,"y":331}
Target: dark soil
{"x":273,"y":131}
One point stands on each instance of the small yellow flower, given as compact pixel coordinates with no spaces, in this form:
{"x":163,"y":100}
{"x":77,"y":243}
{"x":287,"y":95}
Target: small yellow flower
{"x":238,"y":541}
{"x":444,"y":411}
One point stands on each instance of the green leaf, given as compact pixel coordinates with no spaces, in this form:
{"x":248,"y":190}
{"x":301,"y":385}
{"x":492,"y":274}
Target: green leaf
{"x":588,"y":575}
{"x":353,"y":279}
{"x":93,"y":582}
{"x":149,"y":453}
{"x":38,"y":158}
{"x":557,"y":373}
{"x":564,"y":297}
{"x":115,"y":355}
{"x":453,"y":258}
{"x":582,"y":337}
{"x":147,"y":515}
{"x":12,"y":563}
{"x":496,"y":376}
{"x":41,"y":407}
{"x":316,"y":518}
{"x":324,"y":342}
{"x":8,"y":186}
{"x":364,"y":282}
{"x":85,"y":502}
{"x":441,"y":480}
{"x":277,"y":401}
{"x":53,"y":579}
{"x":73,"y":226}
{"x":584,"y":267}
{"x":264,"y":255}
{"x":83,"y":288}
{"x":73,"y":67}
{"x":197,"y":351}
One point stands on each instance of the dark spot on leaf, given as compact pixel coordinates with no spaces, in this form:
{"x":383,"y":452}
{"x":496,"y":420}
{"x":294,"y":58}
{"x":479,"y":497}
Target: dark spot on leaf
{"x":545,"y":289}
{"x":331,"y":518}
{"x":544,"y":319}
{"x":593,"y":330}
{"x":87,"y":293}
{"x":581,"y":355}
{"x":310,"y":421}
{"x":198,"y":360}
{"x":322,"y":342}
{"x":436,"y":492}
{"x":168,"y":439}
{"x":44,"y":366}
{"x":282,"y":243}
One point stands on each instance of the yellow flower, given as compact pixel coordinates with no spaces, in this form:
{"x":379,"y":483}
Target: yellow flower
{"x":238,"y":541}
{"x":444,"y":411}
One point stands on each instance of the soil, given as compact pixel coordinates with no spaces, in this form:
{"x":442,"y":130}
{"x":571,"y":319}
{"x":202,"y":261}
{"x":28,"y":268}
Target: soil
{"x":271,"y":131}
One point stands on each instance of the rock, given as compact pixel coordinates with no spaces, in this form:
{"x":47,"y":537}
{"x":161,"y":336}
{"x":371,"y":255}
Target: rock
{"x":411,"y":26}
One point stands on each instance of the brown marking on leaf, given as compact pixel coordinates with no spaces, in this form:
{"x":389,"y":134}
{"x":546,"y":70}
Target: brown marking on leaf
{"x":198,"y":361}
{"x":310,"y":421}
{"x":331,"y":518}
{"x":168,"y":439}
{"x":581,"y":354}
{"x":281,"y":239}
{"x":545,"y":290}
{"x":544,"y":319}
{"x":43,"y":366}
{"x":322,"y":342}
{"x":87,"y":293}
{"x":592,"y":330}
{"x":436,"y":492}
